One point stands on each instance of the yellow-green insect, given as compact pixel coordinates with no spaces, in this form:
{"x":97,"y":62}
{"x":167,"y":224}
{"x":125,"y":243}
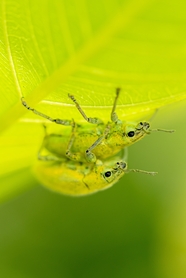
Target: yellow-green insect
{"x":76,"y":178}
{"x":87,"y":158}
{"x":87,"y":143}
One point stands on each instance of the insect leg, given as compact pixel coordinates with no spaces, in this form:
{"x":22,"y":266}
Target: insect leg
{"x":114,"y":116}
{"x":124,"y":153}
{"x":46,"y":157}
{"x":57,"y":121}
{"x":90,"y":157}
{"x":89,"y":120}
{"x":72,"y":156}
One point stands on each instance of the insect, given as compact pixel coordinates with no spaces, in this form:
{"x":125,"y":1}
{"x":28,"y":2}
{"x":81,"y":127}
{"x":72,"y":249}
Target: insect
{"x":77,"y":178}
{"x":87,"y":143}
{"x":66,"y":161}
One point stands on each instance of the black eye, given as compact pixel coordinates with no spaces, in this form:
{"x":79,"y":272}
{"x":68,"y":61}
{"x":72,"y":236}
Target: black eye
{"x":107,"y":174}
{"x":141,"y":123}
{"x":131,"y":134}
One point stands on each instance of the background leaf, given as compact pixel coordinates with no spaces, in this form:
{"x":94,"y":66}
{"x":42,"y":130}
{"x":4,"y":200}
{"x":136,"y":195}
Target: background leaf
{"x":88,"y":48}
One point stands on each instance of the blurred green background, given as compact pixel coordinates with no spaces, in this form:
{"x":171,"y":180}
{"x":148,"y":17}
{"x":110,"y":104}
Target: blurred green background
{"x":135,"y":229}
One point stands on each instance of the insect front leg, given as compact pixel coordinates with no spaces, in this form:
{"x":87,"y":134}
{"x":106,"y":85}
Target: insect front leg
{"x":57,"y":121}
{"x":114,"y":116}
{"x":124,"y":154}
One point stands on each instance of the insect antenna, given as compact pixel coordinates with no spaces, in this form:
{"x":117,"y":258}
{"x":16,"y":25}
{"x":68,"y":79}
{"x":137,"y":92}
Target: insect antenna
{"x":142,"y":171}
{"x":163,"y":130}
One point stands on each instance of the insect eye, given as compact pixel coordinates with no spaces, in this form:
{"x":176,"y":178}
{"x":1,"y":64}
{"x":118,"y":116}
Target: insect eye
{"x":131,"y":134}
{"x":141,"y":123}
{"x":108,"y":174}
{"x":124,"y":165}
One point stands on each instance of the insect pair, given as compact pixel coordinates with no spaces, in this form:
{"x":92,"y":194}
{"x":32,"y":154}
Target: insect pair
{"x":88,"y":157}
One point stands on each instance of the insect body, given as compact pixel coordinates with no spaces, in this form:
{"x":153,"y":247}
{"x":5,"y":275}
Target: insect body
{"x":91,"y":142}
{"x":86,"y":158}
{"x":76,"y":178}
{"x":86,"y":136}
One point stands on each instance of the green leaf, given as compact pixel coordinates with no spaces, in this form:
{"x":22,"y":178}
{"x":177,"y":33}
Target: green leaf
{"x":85,"y":48}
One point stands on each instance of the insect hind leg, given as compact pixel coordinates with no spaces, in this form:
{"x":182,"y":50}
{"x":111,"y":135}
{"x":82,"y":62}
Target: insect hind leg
{"x":48,"y":157}
{"x":57,"y":121}
{"x":69,"y":154}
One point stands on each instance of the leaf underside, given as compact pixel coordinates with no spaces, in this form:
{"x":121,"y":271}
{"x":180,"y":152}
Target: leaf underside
{"x":88,"y":49}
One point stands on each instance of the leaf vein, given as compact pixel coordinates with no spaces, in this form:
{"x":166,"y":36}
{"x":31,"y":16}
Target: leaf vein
{"x":9,"y":52}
